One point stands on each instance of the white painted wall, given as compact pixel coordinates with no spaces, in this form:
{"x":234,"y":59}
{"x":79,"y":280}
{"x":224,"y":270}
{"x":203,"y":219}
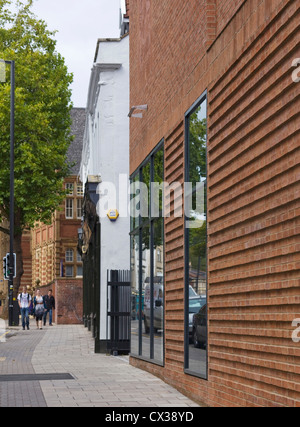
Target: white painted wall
{"x":106,"y":151}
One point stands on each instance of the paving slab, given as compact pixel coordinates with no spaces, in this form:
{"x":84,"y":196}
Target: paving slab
{"x":57,"y":367}
{"x":99,"y":380}
{"x":15,"y":355}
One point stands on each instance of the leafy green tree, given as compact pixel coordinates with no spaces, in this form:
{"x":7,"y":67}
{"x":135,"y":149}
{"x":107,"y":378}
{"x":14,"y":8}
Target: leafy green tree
{"x":197,"y":146}
{"x":197,"y":173}
{"x":42,"y":120}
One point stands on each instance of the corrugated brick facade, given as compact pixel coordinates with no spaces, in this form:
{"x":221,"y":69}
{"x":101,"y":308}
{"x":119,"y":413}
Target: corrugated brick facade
{"x":241,"y":53}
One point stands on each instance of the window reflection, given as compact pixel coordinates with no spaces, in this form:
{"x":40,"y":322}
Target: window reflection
{"x":148,"y":264}
{"x":197,"y":144}
{"x":196,"y":229}
{"x":146,"y":285}
{"x":135,"y":300}
{"x":158,"y":260}
{"x":134,"y":205}
{"x":145,"y":195}
{"x":157,"y":190}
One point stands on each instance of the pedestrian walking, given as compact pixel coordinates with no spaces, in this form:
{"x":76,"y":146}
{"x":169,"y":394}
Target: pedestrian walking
{"x":24,"y":300}
{"x":39,"y":309}
{"x":49,"y":302}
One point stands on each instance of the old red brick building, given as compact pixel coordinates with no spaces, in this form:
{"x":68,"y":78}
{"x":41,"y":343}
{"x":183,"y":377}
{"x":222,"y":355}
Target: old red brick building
{"x":216,"y":77}
{"x":56,"y":264}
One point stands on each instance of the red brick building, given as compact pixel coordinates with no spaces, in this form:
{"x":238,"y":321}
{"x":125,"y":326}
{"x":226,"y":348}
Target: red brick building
{"x":56,"y":263}
{"x":26,"y":278}
{"x":216,"y":77}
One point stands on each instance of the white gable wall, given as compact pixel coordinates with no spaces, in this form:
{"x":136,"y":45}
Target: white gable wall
{"x":106,"y":151}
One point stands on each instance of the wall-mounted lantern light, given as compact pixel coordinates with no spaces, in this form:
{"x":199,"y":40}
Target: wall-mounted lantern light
{"x":139,"y":108}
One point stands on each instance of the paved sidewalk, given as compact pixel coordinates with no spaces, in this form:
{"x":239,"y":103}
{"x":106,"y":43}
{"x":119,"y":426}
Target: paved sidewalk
{"x":98,"y":380}
{"x":15,"y":359}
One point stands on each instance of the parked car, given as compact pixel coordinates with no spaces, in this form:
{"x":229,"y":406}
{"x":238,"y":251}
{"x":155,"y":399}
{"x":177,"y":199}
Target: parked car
{"x":195,"y":305}
{"x":158,"y":308}
{"x":192,"y":292}
{"x":199,"y":330}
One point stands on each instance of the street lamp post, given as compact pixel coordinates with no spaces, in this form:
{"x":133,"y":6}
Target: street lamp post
{"x":12,"y":190}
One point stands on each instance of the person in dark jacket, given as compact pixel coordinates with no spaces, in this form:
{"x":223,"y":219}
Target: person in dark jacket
{"x":49,"y":302}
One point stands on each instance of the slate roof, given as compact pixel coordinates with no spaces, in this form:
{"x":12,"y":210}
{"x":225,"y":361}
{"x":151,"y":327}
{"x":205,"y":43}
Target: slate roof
{"x":78,"y":116}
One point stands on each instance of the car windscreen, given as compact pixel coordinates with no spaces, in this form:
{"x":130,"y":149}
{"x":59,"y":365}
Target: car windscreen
{"x":196,"y":304}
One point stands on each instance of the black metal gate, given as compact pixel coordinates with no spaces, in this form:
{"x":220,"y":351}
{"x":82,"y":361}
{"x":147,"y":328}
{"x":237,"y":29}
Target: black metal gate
{"x":89,"y":249}
{"x":91,"y":283}
{"x":118,"y":311}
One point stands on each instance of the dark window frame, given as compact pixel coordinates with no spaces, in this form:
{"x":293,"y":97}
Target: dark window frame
{"x":190,"y":111}
{"x":140,"y":225}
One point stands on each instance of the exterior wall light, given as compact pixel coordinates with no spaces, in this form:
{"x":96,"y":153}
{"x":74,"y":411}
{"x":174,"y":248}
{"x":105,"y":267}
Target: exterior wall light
{"x":137,"y":107}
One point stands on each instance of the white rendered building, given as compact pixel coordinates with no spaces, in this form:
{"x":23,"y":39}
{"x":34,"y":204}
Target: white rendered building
{"x":105,"y":159}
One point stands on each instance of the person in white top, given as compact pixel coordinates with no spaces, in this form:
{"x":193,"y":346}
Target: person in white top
{"x":24,"y":300}
{"x":39,"y":309}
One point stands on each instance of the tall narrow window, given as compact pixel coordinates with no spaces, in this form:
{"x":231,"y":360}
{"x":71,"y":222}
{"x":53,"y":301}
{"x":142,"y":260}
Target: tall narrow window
{"x":69,"y":260}
{"x":80,"y":191}
{"x":69,"y":255}
{"x":69,"y":208}
{"x":147,"y":260}
{"x":196,"y":240}
{"x":79,"y":267}
{"x":79,"y":208}
{"x":70,"y":188}
{"x":69,"y":270}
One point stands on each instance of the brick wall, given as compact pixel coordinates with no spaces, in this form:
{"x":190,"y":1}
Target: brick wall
{"x":68,"y":294}
{"x":26,"y":279}
{"x":254,"y":161}
{"x":50,"y":242}
{"x":225,"y":10}
{"x":168,"y":49}
{"x":211,"y":21}
{"x":253,"y":182}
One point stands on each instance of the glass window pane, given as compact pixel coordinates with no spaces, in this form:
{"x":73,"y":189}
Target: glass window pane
{"x":135,"y":297}
{"x":69,"y":271}
{"x":69,"y":255}
{"x":197,"y":242}
{"x":157,"y":185}
{"x":80,"y":191}
{"x":69,"y":208}
{"x":158,"y":286}
{"x":197,"y":300}
{"x":197,"y":144}
{"x":147,"y":264}
{"x":134,"y":203}
{"x":79,"y":271}
{"x":145,"y":192}
{"x":146,"y":286}
{"x":79,"y":208}
{"x":70,"y":189}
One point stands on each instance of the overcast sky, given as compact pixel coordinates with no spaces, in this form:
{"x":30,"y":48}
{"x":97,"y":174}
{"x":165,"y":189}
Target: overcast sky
{"x":79,"y":24}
